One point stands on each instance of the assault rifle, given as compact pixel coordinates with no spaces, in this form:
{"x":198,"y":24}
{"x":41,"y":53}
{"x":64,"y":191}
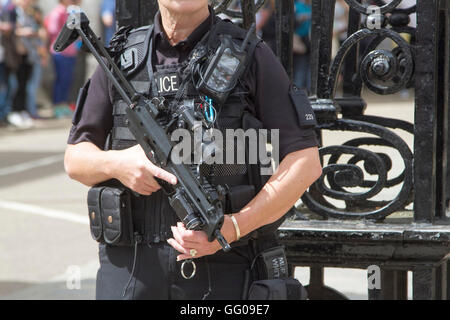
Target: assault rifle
{"x":195,"y":201}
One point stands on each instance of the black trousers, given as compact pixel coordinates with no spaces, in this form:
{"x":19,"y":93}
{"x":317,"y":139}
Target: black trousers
{"x":156,"y":274}
{"x":23,"y":74}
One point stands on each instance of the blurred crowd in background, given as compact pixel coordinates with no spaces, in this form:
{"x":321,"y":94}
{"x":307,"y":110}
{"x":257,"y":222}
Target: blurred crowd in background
{"x":301,"y":44}
{"x":26,"y":49}
{"x":27,"y":37}
{"x":302,"y":32}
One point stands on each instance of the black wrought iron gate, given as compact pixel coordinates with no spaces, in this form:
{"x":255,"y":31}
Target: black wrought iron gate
{"x":346,"y":223}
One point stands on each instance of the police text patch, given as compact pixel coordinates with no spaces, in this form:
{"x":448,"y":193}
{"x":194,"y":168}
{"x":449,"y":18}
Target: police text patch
{"x":168,"y":83}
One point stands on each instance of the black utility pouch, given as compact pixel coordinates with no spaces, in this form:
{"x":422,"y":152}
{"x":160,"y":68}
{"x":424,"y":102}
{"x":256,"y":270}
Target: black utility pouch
{"x":277,"y":289}
{"x":110,"y":215}
{"x":275,"y":284}
{"x":271,"y":264}
{"x":95,"y":216}
{"x":116,"y":216}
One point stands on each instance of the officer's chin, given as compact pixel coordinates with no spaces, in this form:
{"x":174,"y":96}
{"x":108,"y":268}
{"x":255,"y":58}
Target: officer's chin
{"x":184,"y":7}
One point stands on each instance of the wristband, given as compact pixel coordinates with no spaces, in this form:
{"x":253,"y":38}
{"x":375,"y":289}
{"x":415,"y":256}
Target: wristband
{"x":236,"y":227}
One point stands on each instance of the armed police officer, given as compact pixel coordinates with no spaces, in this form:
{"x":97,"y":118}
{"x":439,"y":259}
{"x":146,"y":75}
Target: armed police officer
{"x":149,"y":253}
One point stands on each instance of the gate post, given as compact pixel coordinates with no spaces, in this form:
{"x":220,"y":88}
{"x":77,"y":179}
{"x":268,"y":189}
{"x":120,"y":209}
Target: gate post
{"x":321,"y":36}
{"x":430,"y":131}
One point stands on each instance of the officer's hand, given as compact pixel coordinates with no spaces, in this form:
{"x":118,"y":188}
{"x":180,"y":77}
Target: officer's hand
{"x":137,"y":172}
{"x":185,"y":240}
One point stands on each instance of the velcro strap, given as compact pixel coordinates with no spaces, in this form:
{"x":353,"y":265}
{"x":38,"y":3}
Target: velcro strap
{"x":119,"y":108}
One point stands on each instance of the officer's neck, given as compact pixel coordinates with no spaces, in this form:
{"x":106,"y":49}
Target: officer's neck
{"x":179,"y":26}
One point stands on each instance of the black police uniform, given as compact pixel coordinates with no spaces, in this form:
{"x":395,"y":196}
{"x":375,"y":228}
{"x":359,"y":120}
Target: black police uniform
{"x":263,"y":98}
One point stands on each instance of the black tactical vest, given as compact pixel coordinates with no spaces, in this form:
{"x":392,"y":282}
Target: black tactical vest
{"x":152,"y":215}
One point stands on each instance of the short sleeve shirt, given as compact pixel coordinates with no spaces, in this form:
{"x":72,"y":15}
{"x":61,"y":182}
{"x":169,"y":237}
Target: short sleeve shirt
{"x":268,"y":84}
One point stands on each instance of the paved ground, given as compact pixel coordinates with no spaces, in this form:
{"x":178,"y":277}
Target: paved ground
{"x":44,"y":236}
{"x":44,"y":228}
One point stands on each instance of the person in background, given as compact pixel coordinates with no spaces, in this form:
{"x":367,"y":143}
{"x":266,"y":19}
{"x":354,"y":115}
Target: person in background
{"x":8,"y":61}
{"x":41,"y":59}
{"x":301,"y":48}
{"x":64,"y":62}
{"x":266,"y":25}
{"x":108,"y":19}
{"x":25,"y":35}
{"x":340,"y":26}
{"x":30,"y":41}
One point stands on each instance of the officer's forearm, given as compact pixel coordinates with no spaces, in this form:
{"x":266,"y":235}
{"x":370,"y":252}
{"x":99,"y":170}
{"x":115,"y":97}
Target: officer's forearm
{"x":296,"y":173}
{"x":88,"y":164}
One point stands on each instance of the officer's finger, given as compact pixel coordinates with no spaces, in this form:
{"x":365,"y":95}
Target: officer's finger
{"x":187,"y":256}
{"x":179,"y":237}
{"x":190,"y":236}
{"x":151,"y":189}
{"x":162,"y":174}
{"x":176,"y":235}
{"x":145,"y":191}
{"x":177,"y":246}
{"x":145,"y":176}
{"x":151,"y":183}
{"x":144,"y":188}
